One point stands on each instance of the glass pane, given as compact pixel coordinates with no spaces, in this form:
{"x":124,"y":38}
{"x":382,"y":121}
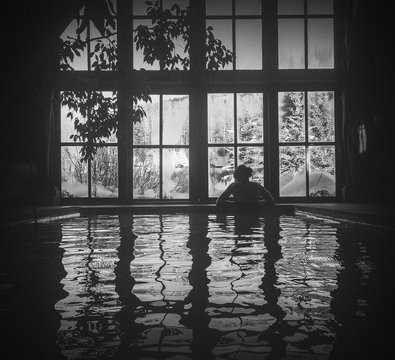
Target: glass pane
{"x":322,"y":181}
{"x":74,"y":173}
{"x":222,"y":30}
{"x":219,"y":7}
{"x":67,"y":118}
{"x":290,"y":7}
{"x":145,"y":173}
{"x":319,"y":7}
{"x":179,"y":50}
{"x":140,"y":7}
{"x":79,"y":60}
{"x":220,"y":118}
{"x":138,"y":56}
{"x":252,"y":156}
{"x":292,"y":171}
{"x":321,"y":116}
{"x":183,"y":4}
{"x":320,"y":43}
{"x":103,"y":47}
{"x":250,"y":117}
{"x":175,"y":119}
{"x":291,"y":44}
{"x":146,"y":132}
{"x":104,"y":172}
{"x":248,"y":44}
{"x":114,"y":7}
{"x":291,"y":117}
{"x":105,"y":105}
{"x":248,"y":7}
{"x":221,"y":167}
{"x":175,"y":174}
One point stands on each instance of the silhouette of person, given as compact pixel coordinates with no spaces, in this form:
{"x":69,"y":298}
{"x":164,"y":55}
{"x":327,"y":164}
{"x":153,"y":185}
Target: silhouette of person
{"x":247,"y":195}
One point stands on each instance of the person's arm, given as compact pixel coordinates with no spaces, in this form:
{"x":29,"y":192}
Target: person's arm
{"x":266,"y":195}
{"x":225,"y":195}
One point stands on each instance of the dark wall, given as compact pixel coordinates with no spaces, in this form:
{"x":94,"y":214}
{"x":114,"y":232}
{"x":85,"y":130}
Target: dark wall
{"x":368,"y":60}
{"x":30,"y":30}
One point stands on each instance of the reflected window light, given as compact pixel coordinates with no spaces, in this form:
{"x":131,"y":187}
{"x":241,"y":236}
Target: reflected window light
{"x":362,"y":139}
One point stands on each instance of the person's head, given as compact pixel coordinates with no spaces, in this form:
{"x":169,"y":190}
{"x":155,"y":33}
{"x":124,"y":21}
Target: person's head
{"x":242,"y":173}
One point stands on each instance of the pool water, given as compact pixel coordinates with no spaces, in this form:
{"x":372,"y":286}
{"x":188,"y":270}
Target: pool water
{"x":197,"y":286}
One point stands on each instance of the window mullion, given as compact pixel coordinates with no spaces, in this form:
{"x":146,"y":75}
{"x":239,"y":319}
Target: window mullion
{"x":161,"y":147}
{"x":125,"y":143}
{"x":307,"y":150}
{"x":235,"y":131}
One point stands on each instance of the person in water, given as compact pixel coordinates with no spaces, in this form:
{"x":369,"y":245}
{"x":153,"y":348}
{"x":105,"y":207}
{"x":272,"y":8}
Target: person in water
{"x":246,"y":194}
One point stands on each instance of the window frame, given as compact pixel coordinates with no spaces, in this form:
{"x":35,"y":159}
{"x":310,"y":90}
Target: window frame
{"x":160,"y":146}
{"x":306,"y":144}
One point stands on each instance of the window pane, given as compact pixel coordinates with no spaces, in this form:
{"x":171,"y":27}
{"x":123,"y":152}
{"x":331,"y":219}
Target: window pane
{"x":321,"y":116}
{"x":319,"y":7}
{"x":248,"y":44}
{"x":80,"y":59}
{"x":292,"y":171}
{"x":175,"y":174}
{"x":290,"y":7}
{"x":175,"y":119}
{"x":291,"y":116}
{"x":67,"y":123}
{"x":103,"y":48}
{"x":291,"y":44}
{"x":146,"y":132}
{"x":105,"y":104}
{"x":222,"y":30}
{"x":221,"y":167}
{"x":74,"y":173}
{"x":145,"y":173}
{"x":320,"y":43}
{"x":179,"y":50}
{"x":138,"y":58}
{"x":250,"y":117}
{"x":104,"y":172}
{"x":114,"y":6}
{"x":220,"y":118}
{"x":248,"y":7}
{"x":322,"y":181}
{"x":219,"y":7}
{"x":167,"y":4}
{"x":139,"y":7}
{"x":252,"y":156}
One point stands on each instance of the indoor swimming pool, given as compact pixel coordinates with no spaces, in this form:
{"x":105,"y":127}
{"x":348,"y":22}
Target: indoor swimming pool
{"x":196,"y":285}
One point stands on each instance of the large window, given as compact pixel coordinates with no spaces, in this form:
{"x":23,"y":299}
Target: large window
{"x":141,"y":17}
{"x":96,"y":177}
{"x":180,"y":122}
{"x":235,"y":137}
{"x":238,"y":25}
{"x":160,"y":149}
{"x":306,"y":138}
{"x":90,"y":46}
{"x":305,"y":34}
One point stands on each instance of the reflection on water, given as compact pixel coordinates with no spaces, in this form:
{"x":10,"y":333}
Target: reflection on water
{"x":206,"y":286}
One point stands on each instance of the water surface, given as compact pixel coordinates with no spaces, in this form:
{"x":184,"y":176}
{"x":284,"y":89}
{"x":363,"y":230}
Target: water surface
{"x":199,"y":286}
